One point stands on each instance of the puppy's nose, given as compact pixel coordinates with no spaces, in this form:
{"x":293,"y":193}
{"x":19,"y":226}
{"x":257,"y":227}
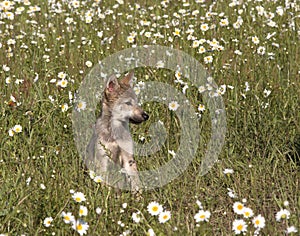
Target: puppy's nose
{"x":145,"y":116}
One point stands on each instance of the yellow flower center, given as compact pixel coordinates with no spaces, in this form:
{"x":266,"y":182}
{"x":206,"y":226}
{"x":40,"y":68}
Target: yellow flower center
{"x":165,"y":217}
{"x":240,"y":227}
{"x":67,"y":218}
{"x":257,"y":222}
{"x":202,"y":216}
{"x":240,"y":207}
{"x":155,"y":208}
{"x":79,"y":227}
{"x":77,"y":199}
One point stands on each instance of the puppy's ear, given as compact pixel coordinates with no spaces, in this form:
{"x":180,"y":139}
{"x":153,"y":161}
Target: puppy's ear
{"x":128,"y":79}
{"x":112,"y":83}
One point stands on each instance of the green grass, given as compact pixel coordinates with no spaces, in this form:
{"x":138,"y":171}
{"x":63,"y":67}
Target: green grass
{"x":260,"y":141}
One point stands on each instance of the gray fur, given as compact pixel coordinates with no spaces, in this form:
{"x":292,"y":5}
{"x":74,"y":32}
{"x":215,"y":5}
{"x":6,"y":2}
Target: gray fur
{"x":112,"y":141}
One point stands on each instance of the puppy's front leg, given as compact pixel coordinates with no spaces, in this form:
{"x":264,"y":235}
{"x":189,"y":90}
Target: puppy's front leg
{"x":130,"y":167}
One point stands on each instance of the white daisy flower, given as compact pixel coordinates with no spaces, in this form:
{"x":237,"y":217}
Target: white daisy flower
{"x":280,"y":10}
{"x":64,"y":107}
{"x":62,"y":83}
{"x":176,"y":32}
{"x":202,"y":216}
{"x":238,"y":208}
{"x":154,"y":208}
{"x":208,"y":59}
{"x":201,"y":49}
{"x":89,"y":64}
{"x":282,"y":214}
{"x":48,"y":221}
{"x":195,"y":44}
{"x":201,"y":89}
{"x":255,"y":40}
{"x":173,"y":106}
{"x":130,"y":39}
{"x":83,"y":211}
{"x":98,"y":179}
{"x":67,"y":217}
{"x":137,"y":90}
{"x":81,"y":106}
{"x":259,"y":222}
{"x":80,"y":226}
{"x":79,"y":197}
{"x":164,"y":217}
{"x":248,"y":212}
{"x":17,"y":128}
{"x":62,"y":75}
{"x":261,"y":50}
{"x":201,"y":107}
{"x":239,"y":226}
{"x":291,"y":229}
{"x":178,"y":74}
{"x":222,"y":89}
{"x":8,"y":80}
{"x":204,"y":27}
{"x":224,"y":22}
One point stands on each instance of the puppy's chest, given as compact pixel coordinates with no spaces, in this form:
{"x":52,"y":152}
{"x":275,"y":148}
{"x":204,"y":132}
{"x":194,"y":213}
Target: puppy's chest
{"x":111,"y":148}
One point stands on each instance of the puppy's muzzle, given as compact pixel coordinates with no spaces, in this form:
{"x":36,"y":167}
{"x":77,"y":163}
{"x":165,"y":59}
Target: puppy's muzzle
{"x":139,"y":119}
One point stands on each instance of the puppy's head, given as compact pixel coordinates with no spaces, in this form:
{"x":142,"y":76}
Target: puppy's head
{"x":120,"y":98}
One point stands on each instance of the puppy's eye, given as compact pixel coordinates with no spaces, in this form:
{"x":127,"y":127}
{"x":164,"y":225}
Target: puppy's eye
{"x":128,"y":103}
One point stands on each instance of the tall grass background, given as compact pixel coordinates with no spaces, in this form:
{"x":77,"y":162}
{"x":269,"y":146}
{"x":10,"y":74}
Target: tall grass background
{"x":40,"y":165}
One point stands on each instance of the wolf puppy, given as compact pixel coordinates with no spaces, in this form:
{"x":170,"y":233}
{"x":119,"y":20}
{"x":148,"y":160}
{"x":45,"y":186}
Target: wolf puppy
{"x":111,"y":142}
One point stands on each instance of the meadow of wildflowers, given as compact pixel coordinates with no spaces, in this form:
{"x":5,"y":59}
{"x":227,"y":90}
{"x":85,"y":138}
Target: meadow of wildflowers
{"x":251,"y":50}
